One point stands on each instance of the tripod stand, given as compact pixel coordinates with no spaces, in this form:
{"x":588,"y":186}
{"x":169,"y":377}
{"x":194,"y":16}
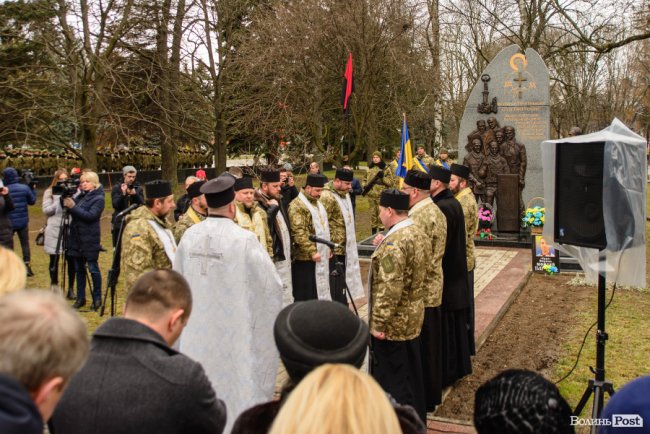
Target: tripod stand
{"x":62,"y":251}
{"x":598,"y":385}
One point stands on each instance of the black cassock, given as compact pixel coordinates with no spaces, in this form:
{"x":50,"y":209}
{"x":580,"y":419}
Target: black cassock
{"x":456,"y":361}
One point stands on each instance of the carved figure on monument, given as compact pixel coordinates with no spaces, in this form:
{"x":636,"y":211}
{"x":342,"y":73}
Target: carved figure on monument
{"x":494,"y":165}
{"x":480,"y":131}
{"x":486,"y":107}
{"x":474,"y":160}
{"x":500,"y":137}
{"x":515,"y":154}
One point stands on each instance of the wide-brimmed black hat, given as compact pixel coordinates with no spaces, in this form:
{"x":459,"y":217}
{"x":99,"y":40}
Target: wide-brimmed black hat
{"x":460,"y":170}
{"x":157,"y":189}
{"x":395,"y":199}
{"x":344,"y":174}
{"x":243,"y":183}
{"x":440,"y":173}
{"x":194,"y":190}
{"x":311,"y":333}
{"x":219,"y":191}
{"x":316,"y":180}
{"x":418,"y":179}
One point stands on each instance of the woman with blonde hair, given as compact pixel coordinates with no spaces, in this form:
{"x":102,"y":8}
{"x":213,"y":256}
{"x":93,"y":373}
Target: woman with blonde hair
{"x":337,"y":399}
{"x":85,"y":236}
{"x":53,"y":210}
{"x":13,"y":274}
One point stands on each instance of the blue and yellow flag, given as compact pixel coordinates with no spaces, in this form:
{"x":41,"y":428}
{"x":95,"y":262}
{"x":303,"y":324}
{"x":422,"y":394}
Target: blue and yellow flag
{"x":405,"y":161}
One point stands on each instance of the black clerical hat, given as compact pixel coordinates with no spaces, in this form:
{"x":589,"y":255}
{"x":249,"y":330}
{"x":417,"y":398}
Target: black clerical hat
{"x":243,"y":183}
{"x":418,"y":179}
{"x":311,"y":333}
{"x":219,"y":191}
{"x":270,"y":176}
{"x":344,"y":174}
{"x":194,"y":190}
{"x":316,"y":180}
{"x":440,"y":173}
{"x":395,"y":199}
{"x":157,"y":189}
{"x":460,"y":170}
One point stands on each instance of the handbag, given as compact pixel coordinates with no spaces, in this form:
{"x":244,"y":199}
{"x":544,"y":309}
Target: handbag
{"x":40,"y":236}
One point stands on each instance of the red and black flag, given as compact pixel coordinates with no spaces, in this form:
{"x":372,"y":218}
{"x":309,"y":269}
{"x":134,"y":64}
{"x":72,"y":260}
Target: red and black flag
{"x":348,"y":87}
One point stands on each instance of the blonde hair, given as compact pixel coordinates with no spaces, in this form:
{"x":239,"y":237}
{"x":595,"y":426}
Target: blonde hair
{"x":58,"y":173}
{"x":13,"y":273}
{"x":41,"y":337}
{"x":91,"y":177}
{"x":337,"y":399}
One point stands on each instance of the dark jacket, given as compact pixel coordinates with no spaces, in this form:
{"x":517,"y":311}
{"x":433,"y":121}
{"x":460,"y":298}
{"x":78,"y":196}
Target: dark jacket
{"x":271,"y":214}
{"x":182,"y":205}
{"x":289,"y":193}
{"x":18,"y":413}
{"x":85,"y":233}
{"x":6,"y":229}
{"x":123,"y":201}
{"x":356,"y":190}
{"x":133,"y":382}
{"x":21,"y":195}
{"x":454,"y":262}
{"x":258,"y":419}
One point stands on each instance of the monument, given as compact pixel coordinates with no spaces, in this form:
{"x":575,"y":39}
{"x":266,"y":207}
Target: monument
{"x":508,"y":107}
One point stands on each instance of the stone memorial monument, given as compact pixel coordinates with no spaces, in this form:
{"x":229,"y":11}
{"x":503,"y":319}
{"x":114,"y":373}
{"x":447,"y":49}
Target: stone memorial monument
{"x":508,"y":110}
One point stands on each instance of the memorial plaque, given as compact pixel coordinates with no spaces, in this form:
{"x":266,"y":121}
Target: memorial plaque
{"x":509,"y":105}
{"x":508,"y":203}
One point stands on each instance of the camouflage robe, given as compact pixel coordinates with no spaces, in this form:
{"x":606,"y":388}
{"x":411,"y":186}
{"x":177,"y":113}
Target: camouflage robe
{"x":190,"y":218}
{"x":428,"y":217}
{"x":398,"y":284}
{"x":470,"y":212}
{"x":142,"y":250}
{"x":334,"y":217}
{"x":301,"y":228}
{"x":256,"y":221}
{"x":426,"y":160}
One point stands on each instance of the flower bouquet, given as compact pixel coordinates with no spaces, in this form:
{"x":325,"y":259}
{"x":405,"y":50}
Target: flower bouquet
{"x":533,"y":217}
{"x":550,"y":269}
{"x":485,"y":217}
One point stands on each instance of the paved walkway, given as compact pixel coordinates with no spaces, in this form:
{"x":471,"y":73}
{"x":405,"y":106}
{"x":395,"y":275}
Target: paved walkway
{"x":499,"y":275}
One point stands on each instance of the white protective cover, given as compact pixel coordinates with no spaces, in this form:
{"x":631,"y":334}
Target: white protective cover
{"x":624,"y":192}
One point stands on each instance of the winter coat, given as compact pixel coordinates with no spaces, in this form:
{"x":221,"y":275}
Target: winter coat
{"x":18,"y":414}
{"x":85,"y":234}
{"x":21,"y":195}
{"x":6,"y":230}
{"x":54,"y":212}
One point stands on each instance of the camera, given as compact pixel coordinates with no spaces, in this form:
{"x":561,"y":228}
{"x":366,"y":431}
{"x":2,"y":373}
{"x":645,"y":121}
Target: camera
{"x":27,"y":177}
{"x":285,"y":180}
{"x":132,"y":186}
{"x":66,"y":188}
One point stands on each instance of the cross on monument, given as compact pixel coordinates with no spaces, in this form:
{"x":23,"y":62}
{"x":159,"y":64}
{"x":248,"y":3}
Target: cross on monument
{"x":205,"y":253}
{"x":520,"y":79}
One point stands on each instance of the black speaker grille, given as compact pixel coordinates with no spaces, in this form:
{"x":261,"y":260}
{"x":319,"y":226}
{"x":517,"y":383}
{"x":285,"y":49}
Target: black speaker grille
{"x":579,"y":195}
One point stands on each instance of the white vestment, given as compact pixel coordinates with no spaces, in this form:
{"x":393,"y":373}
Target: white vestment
{"x":284,"y":267}
{"x":352,"y":269}
{"x":237,"y":294}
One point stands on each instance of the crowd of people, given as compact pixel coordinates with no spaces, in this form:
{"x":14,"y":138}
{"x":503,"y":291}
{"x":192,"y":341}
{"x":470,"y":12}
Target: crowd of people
{"x":243,"y":277}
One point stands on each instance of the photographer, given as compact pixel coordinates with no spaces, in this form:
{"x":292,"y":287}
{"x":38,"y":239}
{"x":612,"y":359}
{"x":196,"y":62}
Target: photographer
{"x":289,"y":190}
{"x":85,"y":235}
{"x":53,"y":210}
{"x":123,"y":195}
{"x":6,"y":206}
{"x":21,"y":196}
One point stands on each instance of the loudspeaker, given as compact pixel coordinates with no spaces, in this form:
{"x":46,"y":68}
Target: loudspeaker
{"x":579,"y":194}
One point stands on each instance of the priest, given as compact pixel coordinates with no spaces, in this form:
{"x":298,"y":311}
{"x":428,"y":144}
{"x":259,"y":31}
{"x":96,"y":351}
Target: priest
{"x":269,"y":198}
{"x":310,"y":268}
{"x":237,"y":295}
{"x":340,"y":217}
